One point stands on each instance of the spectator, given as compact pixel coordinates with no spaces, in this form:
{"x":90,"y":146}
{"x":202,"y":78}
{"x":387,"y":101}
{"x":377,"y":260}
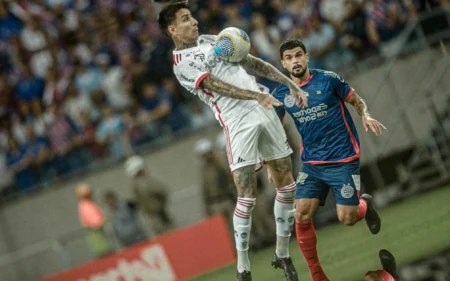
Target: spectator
{"x":39,"y":149}
{"x":110,"y":132}
{"x":384,"y":22}
{"x":41,"y":120}
{"x":35,"y":40}
{"x":89,"y":80}
{"x":126,"y":225}
{"x":112,"y":86}
{"x":234,"y":18}
{"x":267,"y":37}
{"x":322,"y":47}
{"x":19,"y":163}
{"x":353,"y":30}
{"x":64,"y":141}
{"x":76,"y":102}
{"x":158,"y":109}
{"x":97,"y":150}
{"x":92,"y":219}
{"x":10,"y":22}
{"x":150,"y":195}
{"x":29,"y":87}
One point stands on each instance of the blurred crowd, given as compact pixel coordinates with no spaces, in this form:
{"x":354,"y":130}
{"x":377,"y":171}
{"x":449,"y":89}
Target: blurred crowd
{"x":84,"y":80}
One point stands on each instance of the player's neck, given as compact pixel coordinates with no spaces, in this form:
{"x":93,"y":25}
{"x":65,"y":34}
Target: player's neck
{"x":183,"y":45}
{"x":301,"y":80}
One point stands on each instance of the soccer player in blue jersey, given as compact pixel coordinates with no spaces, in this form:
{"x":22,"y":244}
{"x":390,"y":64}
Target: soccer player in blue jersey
{"x":330,"y":149}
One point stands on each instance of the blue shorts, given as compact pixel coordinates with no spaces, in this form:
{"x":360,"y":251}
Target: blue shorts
{"x":314,"y":181}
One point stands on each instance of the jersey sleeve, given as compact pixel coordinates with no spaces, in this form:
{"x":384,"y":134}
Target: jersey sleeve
{"x":189,"y":75}
{"x":341,"y":88}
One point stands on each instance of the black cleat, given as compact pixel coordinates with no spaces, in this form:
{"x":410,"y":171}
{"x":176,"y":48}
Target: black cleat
{"x":372,"y":218}
{"x":244,"y":276}
{"x":287,"y":266}
{"x":388,"y":262}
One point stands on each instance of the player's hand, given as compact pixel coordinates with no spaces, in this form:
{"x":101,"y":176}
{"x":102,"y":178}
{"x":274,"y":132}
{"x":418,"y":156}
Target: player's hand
{"x":374,"y":125}
{"x":300,"y":98}
{"x":268,"y":101}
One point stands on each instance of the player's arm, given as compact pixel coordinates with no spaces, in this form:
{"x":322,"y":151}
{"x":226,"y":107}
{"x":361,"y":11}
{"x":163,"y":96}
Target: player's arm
{"x":269,"y":71}
{"x":216,"y":85}
{"x":361,"y":107}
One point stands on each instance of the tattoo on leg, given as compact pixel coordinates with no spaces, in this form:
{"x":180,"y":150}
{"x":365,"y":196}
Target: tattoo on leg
{"x":282,"y":166}
{"x":245,"y":181}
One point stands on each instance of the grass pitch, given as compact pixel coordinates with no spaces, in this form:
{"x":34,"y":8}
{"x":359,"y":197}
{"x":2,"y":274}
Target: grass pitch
{"x":412,"y":229}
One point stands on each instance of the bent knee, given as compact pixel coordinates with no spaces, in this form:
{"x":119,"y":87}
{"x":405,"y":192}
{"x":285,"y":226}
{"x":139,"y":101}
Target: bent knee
{"x":371,"y":276}
{"x":302,"y":215}
{"x":348,"y":219}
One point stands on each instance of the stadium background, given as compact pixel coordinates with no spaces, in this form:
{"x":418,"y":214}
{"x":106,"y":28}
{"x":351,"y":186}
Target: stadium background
{"x":72,"y":56}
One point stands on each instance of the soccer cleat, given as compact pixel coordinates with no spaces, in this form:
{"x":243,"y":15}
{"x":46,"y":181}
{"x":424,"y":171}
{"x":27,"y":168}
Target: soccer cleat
{"x":287,"y":266}
{"x":372,"y":218}
{"x":388,"y":262}
{"x":244,"y":276}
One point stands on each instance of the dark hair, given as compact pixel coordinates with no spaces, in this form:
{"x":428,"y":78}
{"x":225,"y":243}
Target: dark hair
{"x":290,"y":44}
{"x":168,"y":15}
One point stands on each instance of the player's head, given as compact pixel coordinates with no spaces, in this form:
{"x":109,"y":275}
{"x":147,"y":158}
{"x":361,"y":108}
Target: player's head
{"x":294,"y":57}
{"x":176,"y":21}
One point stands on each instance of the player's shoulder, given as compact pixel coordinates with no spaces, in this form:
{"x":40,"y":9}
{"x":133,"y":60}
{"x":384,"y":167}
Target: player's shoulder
{"x":280,"y":91}
{"x":327,"y":75}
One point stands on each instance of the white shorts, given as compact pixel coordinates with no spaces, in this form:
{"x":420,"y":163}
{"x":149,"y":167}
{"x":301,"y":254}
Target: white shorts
{"x":258,"y":135}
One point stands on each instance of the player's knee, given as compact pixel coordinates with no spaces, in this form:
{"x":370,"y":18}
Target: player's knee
{"x":303,"y":214}
{"x":347,"y":219}
{"x":371,"y":276}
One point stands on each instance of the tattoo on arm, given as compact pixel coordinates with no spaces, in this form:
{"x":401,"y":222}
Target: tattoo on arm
{"x":359,"y":104}
{"x":214,"y":84}
{"x":245,"y":181}
{"x":268,"y":71}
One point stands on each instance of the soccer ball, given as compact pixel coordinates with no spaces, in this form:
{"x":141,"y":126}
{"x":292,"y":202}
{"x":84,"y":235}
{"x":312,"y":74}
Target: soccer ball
{"x":232,"y":44}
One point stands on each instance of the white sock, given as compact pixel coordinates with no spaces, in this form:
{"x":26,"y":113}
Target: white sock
{"x":242,"y":221}
{"x":284,"y":218}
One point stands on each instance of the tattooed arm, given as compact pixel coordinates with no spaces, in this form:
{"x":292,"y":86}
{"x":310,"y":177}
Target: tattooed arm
{"x":361,"y":107}
{"x":216,"y":85}
{"x":269,"y":71}
{"x":359,"y":104}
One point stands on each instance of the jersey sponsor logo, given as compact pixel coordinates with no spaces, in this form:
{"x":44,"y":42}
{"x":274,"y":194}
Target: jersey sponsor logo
{"x":302,"y":178}
{"x":347,"y":191}
{"x":311,"y":114}
{"x":319,"y":92}
{"x":212,"y":63}
{"x":187,"y":79}
{"x":331,"y":73}
{"x":289,"y":101}
{"x":199,"y":56}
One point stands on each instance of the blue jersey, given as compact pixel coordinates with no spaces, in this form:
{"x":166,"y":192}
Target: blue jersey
{"x":328,"y":133}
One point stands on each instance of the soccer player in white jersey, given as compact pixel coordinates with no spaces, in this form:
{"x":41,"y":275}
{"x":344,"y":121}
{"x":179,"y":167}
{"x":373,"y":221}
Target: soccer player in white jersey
{"x":250,"y":123}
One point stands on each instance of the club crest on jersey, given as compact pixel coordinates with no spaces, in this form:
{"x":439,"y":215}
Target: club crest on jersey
{"x":319,"y":92}
{"x":347,"y":191}
{"x":289,"y":100}
{"x":199,"y":56}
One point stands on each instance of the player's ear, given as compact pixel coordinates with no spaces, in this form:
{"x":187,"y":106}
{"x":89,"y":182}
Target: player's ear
{"x":172,"y":30}
{"x":283,"y":64}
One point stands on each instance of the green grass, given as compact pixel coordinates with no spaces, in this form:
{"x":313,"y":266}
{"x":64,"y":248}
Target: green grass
{"x":412,"y":229}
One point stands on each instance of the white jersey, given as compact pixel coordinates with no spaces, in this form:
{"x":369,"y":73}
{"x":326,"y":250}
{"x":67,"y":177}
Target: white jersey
{"x":193,"y":65}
